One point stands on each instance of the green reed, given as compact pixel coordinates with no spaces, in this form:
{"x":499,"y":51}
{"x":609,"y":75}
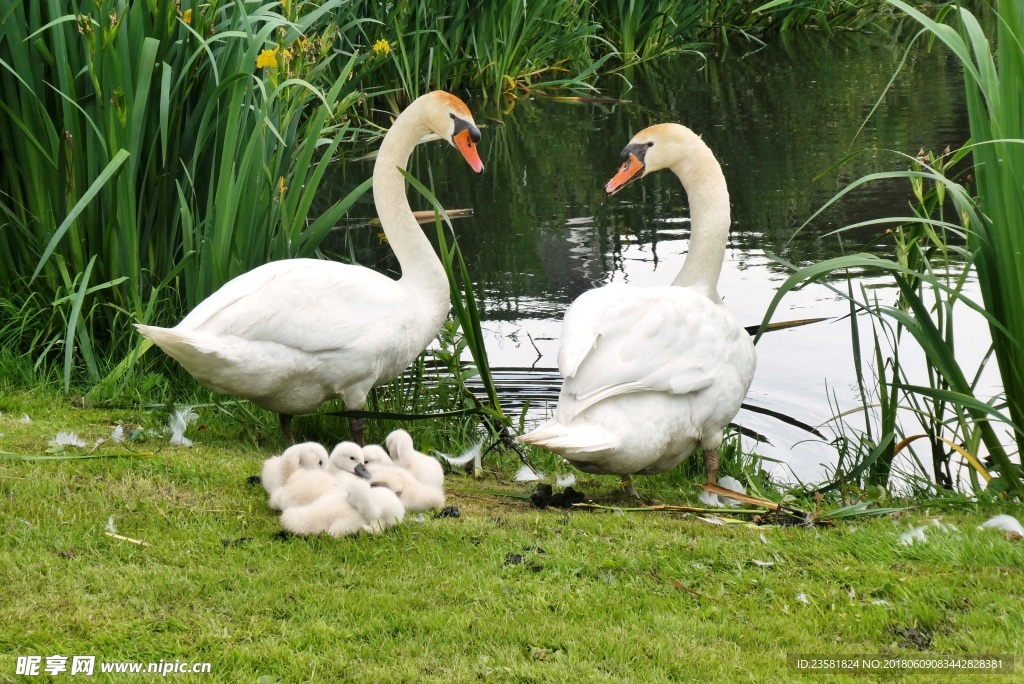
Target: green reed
{"x":148,"y":159}
{"x":993,"y":80}
{"x":644,"y":30}
{"x":984,"y":236}
{"x":466,"y":311}
{"x":145,"y":148}
{"x":932,"y":262}
{"x":492,"y":48}
{"x":936,"y":270}
{"x":785,"y":15}
{"x":499,"y":48}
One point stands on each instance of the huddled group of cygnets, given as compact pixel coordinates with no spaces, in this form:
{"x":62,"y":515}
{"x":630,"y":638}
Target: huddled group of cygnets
{"x":353,"y":489}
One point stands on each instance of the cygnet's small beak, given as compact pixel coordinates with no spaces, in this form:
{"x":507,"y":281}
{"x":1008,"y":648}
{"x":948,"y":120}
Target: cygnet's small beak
{"x":630,"y":170}
{"x":362,"y":472}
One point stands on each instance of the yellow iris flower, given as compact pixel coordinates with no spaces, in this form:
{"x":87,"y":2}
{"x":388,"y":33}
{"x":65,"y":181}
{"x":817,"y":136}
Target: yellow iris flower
{"x":267,"y":58}
{"x":382,"y":47}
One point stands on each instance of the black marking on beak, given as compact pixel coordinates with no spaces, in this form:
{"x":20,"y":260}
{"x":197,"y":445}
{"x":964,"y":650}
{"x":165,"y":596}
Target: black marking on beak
{"x":638,"y":150}
{"x":632,"y":168}
{"x":463,"y":125}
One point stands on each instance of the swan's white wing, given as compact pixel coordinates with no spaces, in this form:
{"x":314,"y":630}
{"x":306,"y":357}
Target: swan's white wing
{"x":307,"y":304}
{"x":621,"y":339}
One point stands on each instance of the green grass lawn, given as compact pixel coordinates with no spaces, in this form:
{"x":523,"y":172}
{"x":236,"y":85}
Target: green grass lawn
{"x":503,"y":593}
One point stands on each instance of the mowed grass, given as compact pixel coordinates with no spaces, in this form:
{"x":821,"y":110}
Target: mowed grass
{"x":503,"y":593}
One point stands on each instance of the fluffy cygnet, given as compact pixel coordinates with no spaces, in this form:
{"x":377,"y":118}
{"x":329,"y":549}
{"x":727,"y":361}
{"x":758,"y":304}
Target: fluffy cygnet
{"x":414,"y":495}
{"x":347,"y":460}
{"x":376,"y":458}
{"x":303,"y":487}
{"x":426,"y":469}
{"x":277,"y":469}
{"x":348,"y":510}
{"x":390,"y":510}
{"x":306,"y":486}
{"x":352,"y":508}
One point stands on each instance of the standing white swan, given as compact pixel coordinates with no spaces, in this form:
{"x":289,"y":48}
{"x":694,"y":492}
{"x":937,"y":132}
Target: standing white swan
{"x":653,"y":374}
{"x":292,"y":334}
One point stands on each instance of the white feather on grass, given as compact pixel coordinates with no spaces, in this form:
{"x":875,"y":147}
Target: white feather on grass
{"x":25,"y":419}
{"x":944,"y":527}
{"x":470,"y":454}
{"x":116,"y":436}
{"x":181,"y":419}
{"x":566,"y":480}
{"x":110,"y":525}
{"x":913,"y":536}
{"x":733,"y":484}
{"x":528,"y":474}
{"x":1006,"y":523}
{"x":802,"y":598}
{"x":711,"y":521}
{"x":710,"y":500}
{"x":68,"y":439}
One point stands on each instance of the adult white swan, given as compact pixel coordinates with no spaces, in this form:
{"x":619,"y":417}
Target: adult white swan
{"x":653,"y":374}
{"x":292,"y":334}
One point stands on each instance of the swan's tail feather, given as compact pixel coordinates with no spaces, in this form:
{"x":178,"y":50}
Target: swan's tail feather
{"x":162,"y":337}
{"x":191,"y":349}
{"x":571,"y":440}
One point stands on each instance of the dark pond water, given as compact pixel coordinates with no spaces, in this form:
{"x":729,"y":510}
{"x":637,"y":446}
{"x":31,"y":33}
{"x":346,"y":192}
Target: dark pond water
{"x":779,"y":119}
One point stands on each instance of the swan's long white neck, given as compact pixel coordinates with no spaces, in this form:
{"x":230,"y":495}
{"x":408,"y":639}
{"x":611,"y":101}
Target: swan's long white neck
{"x":422,"y":271}
{"x":704,"y":182}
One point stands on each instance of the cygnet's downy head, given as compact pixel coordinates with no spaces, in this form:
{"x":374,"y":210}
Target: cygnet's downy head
{"x":654,"y":148}
{"x":348,"y":457}
{"x":308,"y":455}
{"x":398,"y":442}
{"x":376,"y":456}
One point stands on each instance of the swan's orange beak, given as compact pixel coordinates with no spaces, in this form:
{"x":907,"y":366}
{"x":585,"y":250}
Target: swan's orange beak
{"x":464,"y":141}
{"x":629,"y":171}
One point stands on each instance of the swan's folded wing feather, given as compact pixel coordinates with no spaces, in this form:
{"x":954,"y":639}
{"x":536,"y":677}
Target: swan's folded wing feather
{"x":306,"y":294}
{"x":586,"y":320}
{"x":684,"y":382}
{"x":622,"y":339}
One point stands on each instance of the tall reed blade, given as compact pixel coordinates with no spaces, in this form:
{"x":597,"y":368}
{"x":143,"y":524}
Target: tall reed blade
{"x":993,"y":83}
{"x":464,"y":302}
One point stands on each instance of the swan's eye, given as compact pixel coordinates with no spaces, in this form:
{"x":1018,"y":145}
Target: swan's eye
{"x":450,"y":114}
{"x":650,"y":144}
